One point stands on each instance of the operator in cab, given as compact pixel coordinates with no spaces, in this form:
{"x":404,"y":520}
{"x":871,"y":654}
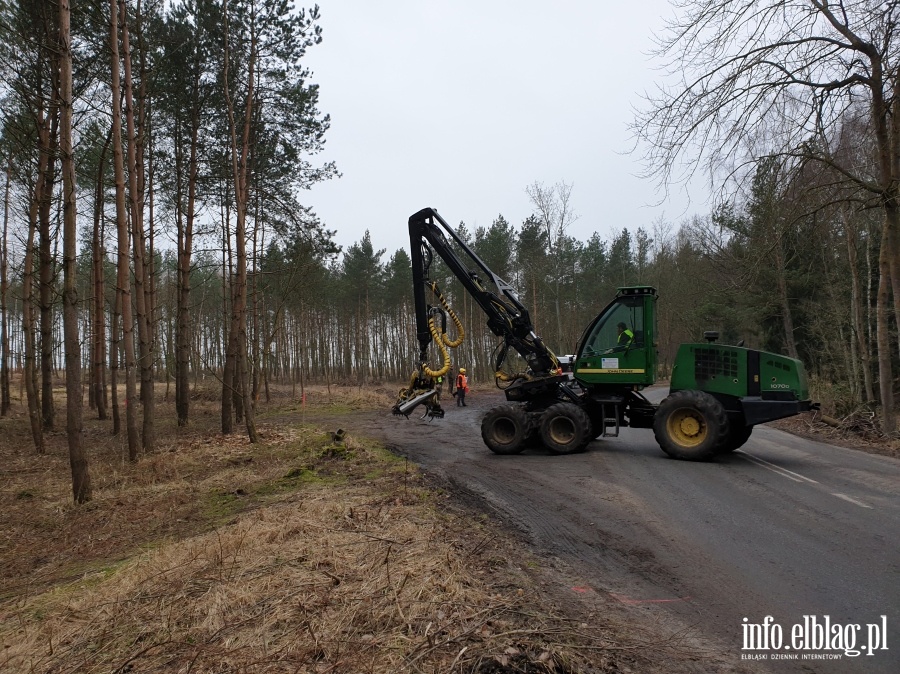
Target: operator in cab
{"x":624,"y":336}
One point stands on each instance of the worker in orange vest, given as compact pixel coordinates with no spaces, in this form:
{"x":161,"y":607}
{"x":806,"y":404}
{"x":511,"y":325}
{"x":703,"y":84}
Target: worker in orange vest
{"x":462,"y":387}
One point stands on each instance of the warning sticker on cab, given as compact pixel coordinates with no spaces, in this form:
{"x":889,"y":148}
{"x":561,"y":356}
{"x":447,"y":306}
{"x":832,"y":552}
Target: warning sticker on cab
{"x":609,"y":363}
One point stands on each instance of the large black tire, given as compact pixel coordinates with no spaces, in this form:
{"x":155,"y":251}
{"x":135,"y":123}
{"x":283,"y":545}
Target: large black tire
{"x":596,"y":430}
{"x":565,"y":428}
{"x":690,"y":425}
{"x":737,"y":435}
{"x":505,"y":429}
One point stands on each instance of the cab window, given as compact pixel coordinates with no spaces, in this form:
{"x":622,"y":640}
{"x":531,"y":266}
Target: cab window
{"x":605,"y":337}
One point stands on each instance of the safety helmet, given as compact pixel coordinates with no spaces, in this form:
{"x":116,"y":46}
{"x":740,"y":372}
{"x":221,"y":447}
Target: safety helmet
{"x":462,"y":370}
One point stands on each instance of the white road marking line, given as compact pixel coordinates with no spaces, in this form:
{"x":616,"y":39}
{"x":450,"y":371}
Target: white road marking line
{"x":784,"y":472}
{"x":796,"y":477}
{"x":852,"y":500}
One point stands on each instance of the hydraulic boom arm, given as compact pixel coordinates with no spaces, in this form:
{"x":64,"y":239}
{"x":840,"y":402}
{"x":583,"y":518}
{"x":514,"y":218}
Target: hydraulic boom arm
{"x":507,"y":316}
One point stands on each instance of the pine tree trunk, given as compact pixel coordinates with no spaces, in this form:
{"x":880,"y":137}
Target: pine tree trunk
{"x":28,"y":328}
{"x":99,"y":258}
{"x":185,"y":249}
{"x":123,"y":281}
{"x":237,"y":402}
{"x":45,"y":265}
{"x":115,"y":358}
{"x":240,"y":158}
{"x":141,"y":278}
{"x":81,"y":479}
{"x":5,"y":401}
{"x":228,"y":363}
{"x":145,"y":176}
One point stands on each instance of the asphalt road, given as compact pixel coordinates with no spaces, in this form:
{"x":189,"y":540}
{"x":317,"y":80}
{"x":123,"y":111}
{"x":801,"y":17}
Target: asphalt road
{"x":786,"y":527}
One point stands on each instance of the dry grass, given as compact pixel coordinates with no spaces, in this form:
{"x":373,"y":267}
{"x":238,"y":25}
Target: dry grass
{"x":858,"y":430}
{"x":298,"y":554}
{"x":329,"y":580}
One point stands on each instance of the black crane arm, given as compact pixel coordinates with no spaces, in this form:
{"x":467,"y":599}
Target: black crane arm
{"x":507,"y":316}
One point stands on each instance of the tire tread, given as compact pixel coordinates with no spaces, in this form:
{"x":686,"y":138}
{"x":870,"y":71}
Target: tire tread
{"x":517,"y":415}
{"x":716,"y":421}
{"x":581,"y":421}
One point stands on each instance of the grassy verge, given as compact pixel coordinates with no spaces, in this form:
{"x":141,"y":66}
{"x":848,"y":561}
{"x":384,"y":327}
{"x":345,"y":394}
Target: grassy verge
{"x":298,"y":554}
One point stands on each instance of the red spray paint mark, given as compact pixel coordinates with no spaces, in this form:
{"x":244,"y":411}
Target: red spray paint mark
{"x":628,"y":600}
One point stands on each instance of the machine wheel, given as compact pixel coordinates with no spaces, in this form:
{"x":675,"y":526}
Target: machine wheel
{"x":505,"y":429}
{"x":737,"y":436}
{"x":596,"y":428}
{"x":565,"y":428}
{"x":690,"y":425}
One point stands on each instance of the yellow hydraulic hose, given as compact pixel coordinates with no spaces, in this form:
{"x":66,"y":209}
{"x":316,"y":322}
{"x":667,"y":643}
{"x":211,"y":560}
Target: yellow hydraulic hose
{"x":441,"y":338}
{"x":444,"y":353}
{"x":460,"y":332}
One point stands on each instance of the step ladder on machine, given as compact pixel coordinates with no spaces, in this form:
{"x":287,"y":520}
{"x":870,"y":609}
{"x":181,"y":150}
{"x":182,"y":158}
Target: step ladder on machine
{"x":610,"y":421}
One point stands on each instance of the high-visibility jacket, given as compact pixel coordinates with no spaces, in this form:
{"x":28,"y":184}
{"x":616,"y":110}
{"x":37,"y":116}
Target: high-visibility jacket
{"x":626,"y":337}
{"x":462,"y":382}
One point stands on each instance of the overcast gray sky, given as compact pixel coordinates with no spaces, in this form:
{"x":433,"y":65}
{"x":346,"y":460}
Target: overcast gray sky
{"x":460,"y":105}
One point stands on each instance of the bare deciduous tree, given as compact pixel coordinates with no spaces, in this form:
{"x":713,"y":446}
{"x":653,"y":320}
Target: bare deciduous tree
{"x":553,"y":210}
{"x":779,"y":77}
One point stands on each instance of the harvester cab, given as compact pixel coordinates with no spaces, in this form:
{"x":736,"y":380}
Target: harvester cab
{"x":619,"y":346}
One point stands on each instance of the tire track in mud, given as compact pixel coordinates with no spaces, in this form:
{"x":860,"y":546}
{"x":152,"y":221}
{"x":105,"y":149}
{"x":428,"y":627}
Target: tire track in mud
{"x":553,"y":500}
{"x":556,"y":502}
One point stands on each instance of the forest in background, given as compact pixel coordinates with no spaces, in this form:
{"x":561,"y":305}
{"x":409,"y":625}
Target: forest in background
{"x":154,"y":231}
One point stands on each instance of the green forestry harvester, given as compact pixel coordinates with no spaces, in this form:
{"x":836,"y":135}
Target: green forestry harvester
{"x":717,"y":394}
